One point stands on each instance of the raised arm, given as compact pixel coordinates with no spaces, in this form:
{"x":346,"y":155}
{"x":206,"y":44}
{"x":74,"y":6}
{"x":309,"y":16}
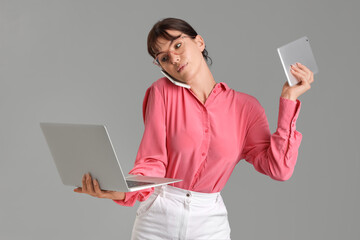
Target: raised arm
{"x":274,"y":155}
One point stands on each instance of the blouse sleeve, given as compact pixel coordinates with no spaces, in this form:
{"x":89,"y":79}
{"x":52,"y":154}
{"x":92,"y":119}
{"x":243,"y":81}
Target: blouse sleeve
{"x":273,"y":155}
{"x":151,"y":159}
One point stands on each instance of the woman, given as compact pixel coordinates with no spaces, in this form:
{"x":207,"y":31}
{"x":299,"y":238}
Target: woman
{"x":199,"y":135}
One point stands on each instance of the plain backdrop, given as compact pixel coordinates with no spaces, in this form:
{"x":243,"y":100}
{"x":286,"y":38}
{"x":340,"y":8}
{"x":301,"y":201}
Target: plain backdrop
{"x":87,"y":62}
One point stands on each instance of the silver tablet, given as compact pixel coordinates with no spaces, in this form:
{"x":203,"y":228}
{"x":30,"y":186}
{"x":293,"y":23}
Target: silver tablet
{"x":297,"y":51}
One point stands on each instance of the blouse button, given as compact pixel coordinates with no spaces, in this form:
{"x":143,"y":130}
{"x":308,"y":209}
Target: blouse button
{"x":206,"y":130}
{"x":203,"y":154}
{"x":214,"y":91}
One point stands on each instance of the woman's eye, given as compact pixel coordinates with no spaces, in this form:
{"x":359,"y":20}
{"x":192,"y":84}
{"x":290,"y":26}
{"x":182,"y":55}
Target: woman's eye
{"x":178,"y":45}
{"x":164,"y":58}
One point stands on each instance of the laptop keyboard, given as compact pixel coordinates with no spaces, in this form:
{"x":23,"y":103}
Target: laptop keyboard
{"x":136,"y":183}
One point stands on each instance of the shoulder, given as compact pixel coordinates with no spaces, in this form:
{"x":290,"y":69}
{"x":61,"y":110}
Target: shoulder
{"x":244,"y":99}
{"x":247,"y":106}
{"x":159,"y":89}
{"x":163,"y":85}
{"x":156,"y":89}
{"x":154,"y":95}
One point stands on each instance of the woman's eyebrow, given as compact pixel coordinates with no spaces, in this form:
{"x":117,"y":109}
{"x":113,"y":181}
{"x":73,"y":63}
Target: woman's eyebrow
{"x":171,"y":41}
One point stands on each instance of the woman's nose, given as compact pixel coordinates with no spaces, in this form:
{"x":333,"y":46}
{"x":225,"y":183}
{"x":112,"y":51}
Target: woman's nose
{"x":174,"y":58}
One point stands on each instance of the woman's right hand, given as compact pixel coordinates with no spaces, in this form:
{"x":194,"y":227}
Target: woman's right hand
{"x":91,"y":186}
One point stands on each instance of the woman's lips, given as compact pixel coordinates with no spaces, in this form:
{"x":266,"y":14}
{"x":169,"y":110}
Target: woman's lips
{"x":182,"y":67}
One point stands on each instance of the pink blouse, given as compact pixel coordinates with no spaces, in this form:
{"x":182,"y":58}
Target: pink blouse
{"x":202,"y":143}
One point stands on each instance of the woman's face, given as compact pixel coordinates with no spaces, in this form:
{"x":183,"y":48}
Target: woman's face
{"x":186,"y":64}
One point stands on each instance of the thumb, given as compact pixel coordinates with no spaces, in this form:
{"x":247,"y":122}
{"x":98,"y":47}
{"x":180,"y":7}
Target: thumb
{"x":305,"y":84}
{"x":301,"y":87}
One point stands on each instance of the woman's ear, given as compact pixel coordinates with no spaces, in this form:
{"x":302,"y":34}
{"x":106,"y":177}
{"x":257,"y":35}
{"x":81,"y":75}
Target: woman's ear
{"x":200,"y":42}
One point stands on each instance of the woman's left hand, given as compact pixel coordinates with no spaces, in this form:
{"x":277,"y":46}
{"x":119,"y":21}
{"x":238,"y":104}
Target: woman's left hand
{"x":305,"y":78}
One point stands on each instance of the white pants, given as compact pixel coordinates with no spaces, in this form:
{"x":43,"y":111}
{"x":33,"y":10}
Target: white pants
{"x":174,"y":213}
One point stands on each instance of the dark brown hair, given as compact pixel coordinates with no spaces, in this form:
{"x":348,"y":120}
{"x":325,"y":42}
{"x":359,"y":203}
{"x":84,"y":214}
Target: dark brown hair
{"x":159,"y":30}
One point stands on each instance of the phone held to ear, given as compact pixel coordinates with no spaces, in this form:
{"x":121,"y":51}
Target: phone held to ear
{"x":177,"y":83}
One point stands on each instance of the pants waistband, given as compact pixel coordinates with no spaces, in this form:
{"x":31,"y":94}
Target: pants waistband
{"x":183,"y":194}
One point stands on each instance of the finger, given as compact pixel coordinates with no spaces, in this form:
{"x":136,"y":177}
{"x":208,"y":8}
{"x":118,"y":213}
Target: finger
{"x":84,"y":187}
{"x":90,"y":186}
{"x":305,"y":72}
{"x":303,"y":67}
{"x":78,"y":190}
{"x":299,"y":70}
{"x":309,"y":73}
{"x":305,"y":83}
{"x":300,"y":76}
{"x":311,"y":77}
{"x":98,"y":191}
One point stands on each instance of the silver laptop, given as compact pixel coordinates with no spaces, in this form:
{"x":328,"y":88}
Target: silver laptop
{"x":80,"y":148}
{"x":297,"y":51}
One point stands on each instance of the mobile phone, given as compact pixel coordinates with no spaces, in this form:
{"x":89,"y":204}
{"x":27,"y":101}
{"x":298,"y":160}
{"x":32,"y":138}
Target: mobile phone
{"x":177,"y":83}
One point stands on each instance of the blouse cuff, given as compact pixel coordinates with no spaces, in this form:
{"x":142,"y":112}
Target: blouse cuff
{"x":288,"y":114}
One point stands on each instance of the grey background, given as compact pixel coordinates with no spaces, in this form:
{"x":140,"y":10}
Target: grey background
{"x":86,"y":62}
